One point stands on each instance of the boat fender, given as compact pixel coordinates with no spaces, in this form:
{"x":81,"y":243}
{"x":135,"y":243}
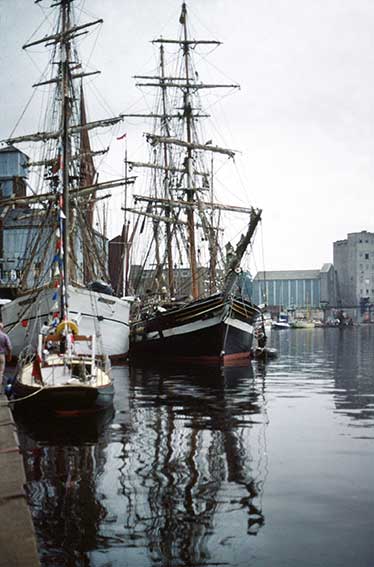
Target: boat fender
{"x":8,"y":390}
{"x":71,"y":324}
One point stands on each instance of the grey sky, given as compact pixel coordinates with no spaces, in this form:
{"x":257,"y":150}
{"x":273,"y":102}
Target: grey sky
{"x":303,"y":119}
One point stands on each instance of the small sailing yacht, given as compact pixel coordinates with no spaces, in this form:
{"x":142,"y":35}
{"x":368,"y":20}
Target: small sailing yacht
{"x":64,"y":376}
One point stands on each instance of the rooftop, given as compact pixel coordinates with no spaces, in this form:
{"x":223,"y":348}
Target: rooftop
{"x":288,"y":275}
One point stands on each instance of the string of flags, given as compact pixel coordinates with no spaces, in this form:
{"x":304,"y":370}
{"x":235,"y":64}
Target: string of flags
{"x":57,"y":265}
{"x":56,"y":269}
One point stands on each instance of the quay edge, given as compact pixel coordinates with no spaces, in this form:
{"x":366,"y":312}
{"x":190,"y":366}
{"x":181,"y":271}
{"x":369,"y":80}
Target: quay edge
{"x":17,"y":535}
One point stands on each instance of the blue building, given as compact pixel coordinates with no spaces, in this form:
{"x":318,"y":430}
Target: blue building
{"x":295,"y":289}
{"x":14,"y":243}
{"x":13,"y":172}
{"x":27,"y":247}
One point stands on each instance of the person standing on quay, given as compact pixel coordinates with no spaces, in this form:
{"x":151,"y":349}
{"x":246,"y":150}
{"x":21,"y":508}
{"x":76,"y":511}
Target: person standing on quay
{"x":5,"y":352}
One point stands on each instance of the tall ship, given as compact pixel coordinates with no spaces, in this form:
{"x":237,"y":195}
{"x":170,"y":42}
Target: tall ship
{"x":192,"y":302}
{"x":65,"y":189}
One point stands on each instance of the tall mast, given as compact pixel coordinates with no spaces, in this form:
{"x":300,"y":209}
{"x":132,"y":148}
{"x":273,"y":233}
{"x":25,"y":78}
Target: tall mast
{"x":190,"y":193}
{"x":212,"y":238}
{"x":166,"y":177}
{"x":125,"y":237}
{"x":65,"y":57}
{"x":87,"y":177}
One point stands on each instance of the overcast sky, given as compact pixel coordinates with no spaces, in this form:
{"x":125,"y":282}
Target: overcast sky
{"x":303,"y":119}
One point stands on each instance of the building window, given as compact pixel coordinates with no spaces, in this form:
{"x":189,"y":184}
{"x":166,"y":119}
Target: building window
{"x":366,"y":256}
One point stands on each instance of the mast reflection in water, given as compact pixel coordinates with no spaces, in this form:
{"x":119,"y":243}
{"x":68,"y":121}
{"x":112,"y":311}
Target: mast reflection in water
{"x":179,"y":471}
{"x":63,"y":460}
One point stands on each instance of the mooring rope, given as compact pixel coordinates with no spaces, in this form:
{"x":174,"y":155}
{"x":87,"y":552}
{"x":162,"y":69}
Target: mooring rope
{"x":7,"y":404}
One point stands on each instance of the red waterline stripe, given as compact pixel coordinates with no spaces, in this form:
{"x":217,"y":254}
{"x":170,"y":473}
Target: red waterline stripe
{"x":72,"y":413}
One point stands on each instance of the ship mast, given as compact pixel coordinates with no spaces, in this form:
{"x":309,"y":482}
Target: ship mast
{"x":166,"y":178}
{"x":189,"y":85}
{"x":190,"y":192}
{"x":65,"y":58}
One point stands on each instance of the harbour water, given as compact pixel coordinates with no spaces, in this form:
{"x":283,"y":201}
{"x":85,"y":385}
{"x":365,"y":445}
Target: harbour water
{"x":264,"y":465}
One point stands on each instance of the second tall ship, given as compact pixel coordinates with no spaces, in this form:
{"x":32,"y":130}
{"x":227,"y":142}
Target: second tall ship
{"x":67,"y":193}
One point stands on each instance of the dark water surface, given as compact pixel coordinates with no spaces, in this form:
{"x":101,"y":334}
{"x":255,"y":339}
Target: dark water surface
{"x":266,"y":466}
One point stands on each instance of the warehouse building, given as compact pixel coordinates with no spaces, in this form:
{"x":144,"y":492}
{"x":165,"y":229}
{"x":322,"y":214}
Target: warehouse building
{"x":295,"y":289}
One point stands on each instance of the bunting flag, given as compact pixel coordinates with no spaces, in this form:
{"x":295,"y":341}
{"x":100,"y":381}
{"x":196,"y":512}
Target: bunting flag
{"x":57,"y":264}
{"x":36,"y":370}
{"x":55,"y":319}
{"x":57,"y":164}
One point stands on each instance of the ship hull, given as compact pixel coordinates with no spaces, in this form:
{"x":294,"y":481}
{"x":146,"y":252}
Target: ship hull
{"x":74,"y":399}
{"x":96,"y":314}
{"x":71,"y":384}
{"x":215,"y":330}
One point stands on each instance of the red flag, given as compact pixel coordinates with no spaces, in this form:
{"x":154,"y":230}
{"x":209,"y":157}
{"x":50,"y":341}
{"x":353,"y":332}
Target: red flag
{"x":36,"y":370}
{"x":123,"y":136}
{"x":56,"y":164}
{"x":24,"y":323}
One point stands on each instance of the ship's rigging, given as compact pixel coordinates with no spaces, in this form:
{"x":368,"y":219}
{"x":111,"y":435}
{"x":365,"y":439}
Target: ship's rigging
{"x":65,"y":272}
{"x":64,"y":158}
{"x":186,"y":219}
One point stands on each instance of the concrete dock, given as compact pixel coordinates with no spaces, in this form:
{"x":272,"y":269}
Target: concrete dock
{"x":17,"y":536}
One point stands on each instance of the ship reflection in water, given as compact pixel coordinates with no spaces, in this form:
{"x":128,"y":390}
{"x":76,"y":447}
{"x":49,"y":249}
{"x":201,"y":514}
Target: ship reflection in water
{"x":179,"y":470}
{"x":63,"y":459}
{"x":198,"y":449}
{"x":264,"y":465}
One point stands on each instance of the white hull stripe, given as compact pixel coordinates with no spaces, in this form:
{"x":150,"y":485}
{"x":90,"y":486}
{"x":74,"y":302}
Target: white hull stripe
{"x":198,"y":326}
{"x":241,"y":325}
